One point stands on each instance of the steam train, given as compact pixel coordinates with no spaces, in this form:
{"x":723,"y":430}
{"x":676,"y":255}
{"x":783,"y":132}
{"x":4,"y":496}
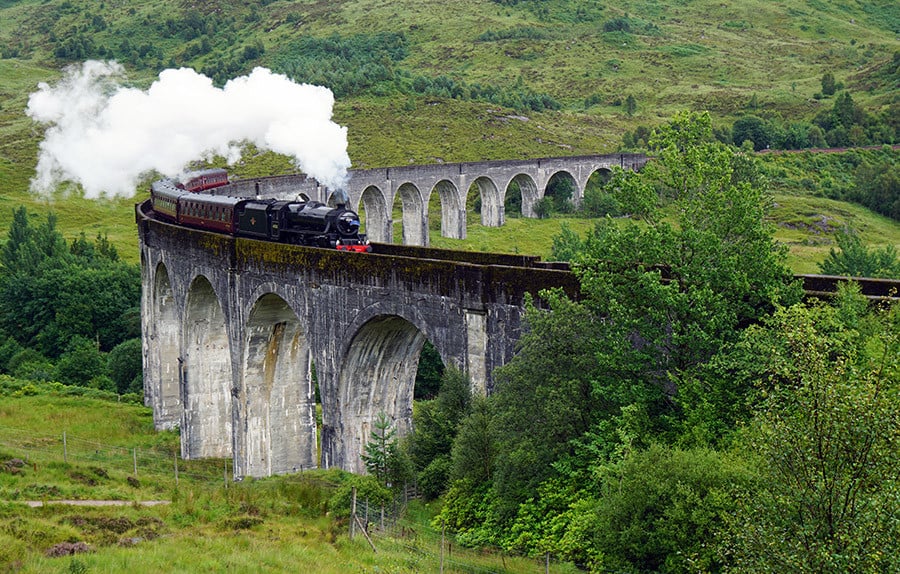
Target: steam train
{"x":309,"y":223}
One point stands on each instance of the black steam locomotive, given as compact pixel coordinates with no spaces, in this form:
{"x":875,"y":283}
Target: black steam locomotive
{"x":308,"y":223}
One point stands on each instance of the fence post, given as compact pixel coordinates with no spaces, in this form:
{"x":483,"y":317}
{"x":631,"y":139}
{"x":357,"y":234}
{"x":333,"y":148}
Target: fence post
{"x":547,"y":568}
{"x":443,"y":529}
{"x":352,"y":512}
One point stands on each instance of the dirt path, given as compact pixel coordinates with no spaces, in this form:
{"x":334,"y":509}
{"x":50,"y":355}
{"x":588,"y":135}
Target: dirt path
{"x":39,"y":503}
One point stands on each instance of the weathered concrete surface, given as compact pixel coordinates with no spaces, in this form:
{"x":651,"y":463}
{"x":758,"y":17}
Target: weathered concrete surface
{"x":233,"y":327}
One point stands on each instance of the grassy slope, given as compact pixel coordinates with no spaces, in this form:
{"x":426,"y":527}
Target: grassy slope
{"x":270,"y":525}
{"x":699,"y":54}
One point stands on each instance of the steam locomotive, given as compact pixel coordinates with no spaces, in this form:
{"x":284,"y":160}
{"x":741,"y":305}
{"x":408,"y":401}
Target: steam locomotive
{"x":308,"y":223}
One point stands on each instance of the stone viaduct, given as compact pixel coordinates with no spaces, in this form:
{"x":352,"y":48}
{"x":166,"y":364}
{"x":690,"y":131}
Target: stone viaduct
{"x":237,"y":333}
{"x":233,"y":330}
{"x":373,"y":191}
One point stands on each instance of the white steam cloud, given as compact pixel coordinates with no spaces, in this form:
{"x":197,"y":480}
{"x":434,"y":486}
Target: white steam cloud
{"x":105,"y":136}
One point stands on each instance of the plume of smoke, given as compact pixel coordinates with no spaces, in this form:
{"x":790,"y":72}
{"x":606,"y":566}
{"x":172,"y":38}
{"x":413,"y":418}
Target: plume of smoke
{"x":105,"y":136}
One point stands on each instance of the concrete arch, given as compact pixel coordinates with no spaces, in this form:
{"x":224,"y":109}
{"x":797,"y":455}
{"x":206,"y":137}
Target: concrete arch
{"x":164,"y":358}
{"x":277,"y":394}
{"x":491,"y":202}
{"x":415,"y":226}
{"x":577,"y":190}
{"x":528,"y":190}
{"x":453,"y":221}
{"x":377,"y":375}
{"x":604,"y":173}
{"x":206,"y":430}
{"x":377,"y":224}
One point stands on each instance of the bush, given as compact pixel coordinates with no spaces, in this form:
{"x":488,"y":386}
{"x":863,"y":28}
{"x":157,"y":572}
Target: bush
{"x":597,"y":203}
{"x":124,"y":364}
{"x":617,"y":25}
{"x":22,"y":362}
{"x":81,"y":363}
{"x":434,"y":479}
{"x":8,"y":349}
{"x":662,"y":508}
{"x":543,"y":207}
{"x":368,"y":488}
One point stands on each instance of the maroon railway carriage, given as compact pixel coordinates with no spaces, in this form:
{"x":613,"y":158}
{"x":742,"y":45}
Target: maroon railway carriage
{"x":302,"y":223}
{"x":204,"y":179}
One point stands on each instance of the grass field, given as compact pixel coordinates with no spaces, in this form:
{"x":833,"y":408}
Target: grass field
{"x":210,"y":523}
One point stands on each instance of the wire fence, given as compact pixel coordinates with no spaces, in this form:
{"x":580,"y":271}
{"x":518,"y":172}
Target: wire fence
{"x":158,"y":462}
{"x":377,"y":521}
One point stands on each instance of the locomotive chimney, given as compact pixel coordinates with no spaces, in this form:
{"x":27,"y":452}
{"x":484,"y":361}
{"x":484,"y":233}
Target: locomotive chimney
{"x":341,"y":199}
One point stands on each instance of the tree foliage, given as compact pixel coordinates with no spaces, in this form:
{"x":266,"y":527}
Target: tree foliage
{"x":67,"y":302}
{"x":435,"y":425}
{"x":383,"y":456}
{"x":828,"y":439}
{"x":659,"y":508}
{"x":598,"y":381}
{"x":853,"y":259}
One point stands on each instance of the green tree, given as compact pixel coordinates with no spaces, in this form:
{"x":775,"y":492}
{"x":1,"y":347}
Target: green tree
{"x":828,"y":443}
{"x":543,"y":207}
{"x":816,"y":137}
{"x":567,"y":245}
{"x":377,"y":450}
{"x":474,"y":449}
{"x":828,"y":84}
{"x":50,"y":293}
{"x":754,"y":129}
{"x":660,"y":510}
{"x":429,"y":372}
{"x":630,"y":105}
{"x":878,"y":188}
{"x":124,"y":366}
{"x":854,"y":259}
{"x":561,"y":189}
{"x":845,"y":112}
{"x":435,"y":424}
{"x":81,"y":362}
{"x":383,"y":457}
{"x":598,"y":377}
{"x":545,"y":399}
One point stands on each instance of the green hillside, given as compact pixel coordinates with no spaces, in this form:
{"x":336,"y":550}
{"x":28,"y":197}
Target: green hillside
{"x":424,"y":82}
{"x":111,"y":452}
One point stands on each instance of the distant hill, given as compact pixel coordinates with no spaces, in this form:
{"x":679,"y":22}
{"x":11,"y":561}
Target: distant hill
{"x":430,"y":81}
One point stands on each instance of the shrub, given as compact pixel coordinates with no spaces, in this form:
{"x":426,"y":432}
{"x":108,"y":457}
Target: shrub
{"x":81,"y":362}
{"x":661,"y":509}
{"x":124,"y":365}
{"x":368,"y":488}
{"x":543,"y":207}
